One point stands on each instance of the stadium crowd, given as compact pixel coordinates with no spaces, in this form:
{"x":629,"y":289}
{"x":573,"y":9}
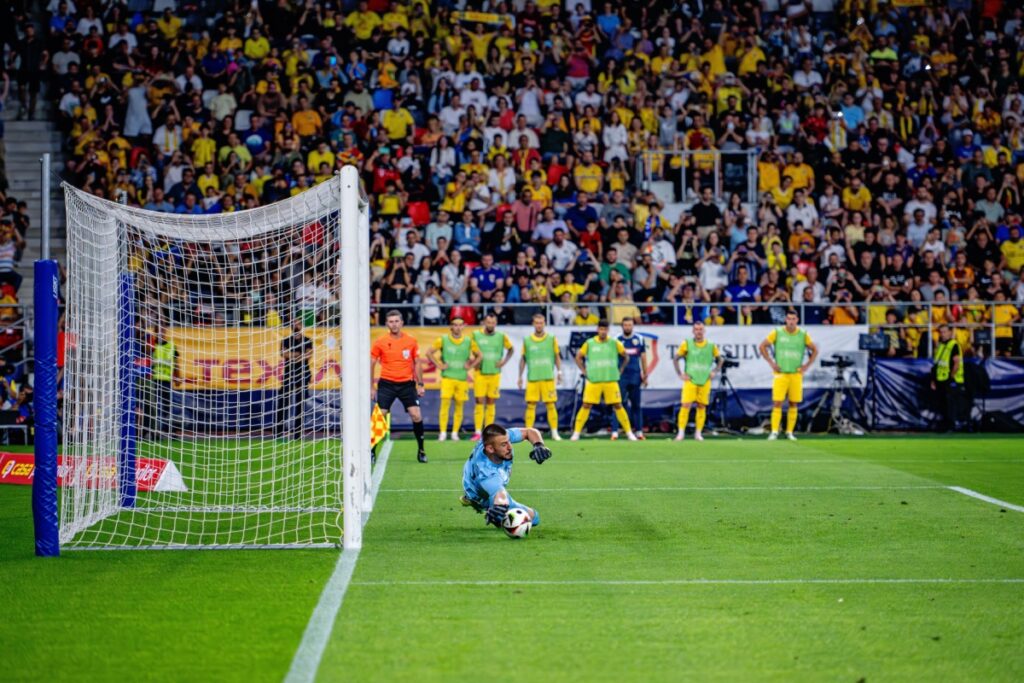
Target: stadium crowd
{"x":507,"y":146}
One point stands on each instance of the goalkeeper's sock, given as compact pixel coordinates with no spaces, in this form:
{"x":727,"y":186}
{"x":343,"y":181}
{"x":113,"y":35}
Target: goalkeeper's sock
{"x":442,"y":419}
{"x":702,"y":416}
{"x":776,"y":419}
{"x":478,"y":418}
{"x":684,"y":419}
{"x":531,"y":415}
{"x":581,"y":420}
{"x":791,"y":416}
{"x":457,"y":416}
{"x":623,"y":416}
{"x":417,"y":429}
{"x":489,"y":411}
{"x":552,"y":416}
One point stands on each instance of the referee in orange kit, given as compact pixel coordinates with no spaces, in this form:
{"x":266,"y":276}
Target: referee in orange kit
{"x":400,"y":374}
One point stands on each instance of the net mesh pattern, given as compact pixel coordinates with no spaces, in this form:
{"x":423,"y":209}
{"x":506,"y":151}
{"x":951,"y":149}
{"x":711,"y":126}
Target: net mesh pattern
{"x":229,"y":328}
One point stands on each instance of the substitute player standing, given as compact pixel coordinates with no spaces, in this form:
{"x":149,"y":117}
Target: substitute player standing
{"x":702,"y":364}
{"x":495,"y":351}
{"x":601,"y":360}
{"x":454,"y":354}
{"x":542,"y":364}
{"x":633,"y":379}
{"x":489,"y":468}
{"x":789,"y":346}
{"x":400,"y":375}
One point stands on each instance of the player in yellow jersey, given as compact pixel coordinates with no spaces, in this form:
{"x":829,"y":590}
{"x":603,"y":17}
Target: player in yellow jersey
{"x":702,"y":364}
{"x":495,"y":351}
{"x":454,"y":354}
{"x":543,"y":364}
{"x":601,"y":359}
{"x":789,"y":346}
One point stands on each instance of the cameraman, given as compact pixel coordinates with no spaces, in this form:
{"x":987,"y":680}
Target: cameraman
{"x":948,"y":378}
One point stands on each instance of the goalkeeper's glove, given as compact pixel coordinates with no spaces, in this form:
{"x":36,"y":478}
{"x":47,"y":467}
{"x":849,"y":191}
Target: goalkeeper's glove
{"x":540,"y":453}
{"x":496,"y":514}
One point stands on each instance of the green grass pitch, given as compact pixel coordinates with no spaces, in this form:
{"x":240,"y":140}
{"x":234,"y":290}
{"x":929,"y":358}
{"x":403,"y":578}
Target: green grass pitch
{"x":814,"y":557}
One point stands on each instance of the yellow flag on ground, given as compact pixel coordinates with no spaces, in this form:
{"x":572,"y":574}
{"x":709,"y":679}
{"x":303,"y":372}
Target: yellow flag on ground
{"x":379,"y":426}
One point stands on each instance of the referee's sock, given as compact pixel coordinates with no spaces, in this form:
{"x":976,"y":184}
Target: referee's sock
{"x":417,"y":429}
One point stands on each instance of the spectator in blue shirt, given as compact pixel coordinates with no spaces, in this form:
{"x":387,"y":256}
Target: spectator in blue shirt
{"x":190,"y":206}
{"x":743,"y":291}
{"x":485,"y":280}
{"x":466,"y":237}
{"x":582,"y":213}
{"x":159,"y":203}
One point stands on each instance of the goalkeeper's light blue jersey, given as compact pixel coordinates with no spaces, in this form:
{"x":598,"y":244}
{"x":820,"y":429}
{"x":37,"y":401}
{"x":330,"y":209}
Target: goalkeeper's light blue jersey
{"x":481,"y":478}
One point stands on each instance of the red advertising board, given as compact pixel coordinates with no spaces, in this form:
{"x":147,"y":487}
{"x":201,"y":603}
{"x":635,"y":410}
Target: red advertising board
{"x":151,"y":474}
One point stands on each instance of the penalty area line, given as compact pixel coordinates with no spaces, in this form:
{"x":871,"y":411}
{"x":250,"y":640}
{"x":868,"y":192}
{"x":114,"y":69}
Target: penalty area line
{"x":307,"y":657}
{"x":987,"y":499}
{"x":701,"y":582}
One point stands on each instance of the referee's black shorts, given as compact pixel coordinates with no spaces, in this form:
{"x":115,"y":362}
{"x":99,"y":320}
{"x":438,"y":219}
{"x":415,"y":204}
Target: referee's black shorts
{"x":388,"y":392}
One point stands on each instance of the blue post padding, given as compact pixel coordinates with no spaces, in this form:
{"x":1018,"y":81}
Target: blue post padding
{"x":44,"y":483}
{"x":126,"y":353}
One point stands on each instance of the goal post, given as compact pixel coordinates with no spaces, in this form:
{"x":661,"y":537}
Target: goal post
{"x":203,"y":396}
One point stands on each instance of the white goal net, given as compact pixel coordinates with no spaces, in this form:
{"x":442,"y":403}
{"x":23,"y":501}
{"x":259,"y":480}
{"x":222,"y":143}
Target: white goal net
{"x":202,"y":403}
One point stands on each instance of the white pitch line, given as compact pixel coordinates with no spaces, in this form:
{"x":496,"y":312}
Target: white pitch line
{"x":683,"y":460}
{"x":318,"y":631}
{"x":698,"y":582}
{"x":692,"y":488}
{"x":987,"y":499}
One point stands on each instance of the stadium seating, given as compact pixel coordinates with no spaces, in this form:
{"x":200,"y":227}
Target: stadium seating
{"x":848,"y":144}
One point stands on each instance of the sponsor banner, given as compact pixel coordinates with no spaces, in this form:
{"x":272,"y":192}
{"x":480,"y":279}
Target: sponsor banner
{"x":228,"y":358}
{"x":151,"y":474}
{"x":483,"y":18}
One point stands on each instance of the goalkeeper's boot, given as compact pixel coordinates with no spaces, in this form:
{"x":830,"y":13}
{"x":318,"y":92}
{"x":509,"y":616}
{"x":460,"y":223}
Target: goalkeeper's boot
{"x":575,"y":436}
{"x":631,"y":436}
{"x":421,"y":456}
{"x":615,"y":436}
{"x":773,"y":436}
{"x":455,"y":436}
{"x":475,"y":437}
{"x":789,"y":435}
{"x":441,"y":436}
{"x":555,"y":436}
{"x":470,"y":503}
{"x":680,"y":435}
{"x":697,"y":436}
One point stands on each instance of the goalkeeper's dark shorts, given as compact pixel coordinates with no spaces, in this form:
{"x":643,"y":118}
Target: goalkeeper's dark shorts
{"x":388,"y":392}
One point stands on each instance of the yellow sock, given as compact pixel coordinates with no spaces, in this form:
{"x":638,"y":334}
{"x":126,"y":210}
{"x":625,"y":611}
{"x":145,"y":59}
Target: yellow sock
{"x":702,"y":416}
{"x":552,"y":416}
{"x":776,"y":418}
{"x":531,"y":415}
{"x":581,"y":419}
{"x":478,"y":418}
{"x":457,"y":416}
{"x":623,"y":416}
{"x":489,"y":413}
{"x":684,"y":417}
{"x":442,"y":419}
{"x":791,"y":419}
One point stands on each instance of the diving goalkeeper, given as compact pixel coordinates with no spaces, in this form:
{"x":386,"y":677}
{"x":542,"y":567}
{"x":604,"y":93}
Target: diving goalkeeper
{"x":489,"y":468}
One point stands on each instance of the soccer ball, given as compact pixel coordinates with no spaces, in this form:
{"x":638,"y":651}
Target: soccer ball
{"x":517,"y":523}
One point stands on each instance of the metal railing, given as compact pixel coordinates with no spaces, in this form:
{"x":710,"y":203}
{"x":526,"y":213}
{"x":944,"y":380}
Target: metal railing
{"x":926,"y":330}
{"x":731,"y":171}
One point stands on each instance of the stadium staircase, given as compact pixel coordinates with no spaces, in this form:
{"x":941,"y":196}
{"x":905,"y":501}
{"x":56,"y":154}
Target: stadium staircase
{"x":26,"y":141}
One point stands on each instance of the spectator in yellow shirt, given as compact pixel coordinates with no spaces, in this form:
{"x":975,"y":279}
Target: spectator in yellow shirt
{"x":397,"y":121}
{"x":363,"y":21}
{"x":588,"y":175}
{"x":306,"y":121}
{"x":801,"y":172}
{"x":322,"y":154}
{"x":256,"y":45}
{"x":856,"y":197}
